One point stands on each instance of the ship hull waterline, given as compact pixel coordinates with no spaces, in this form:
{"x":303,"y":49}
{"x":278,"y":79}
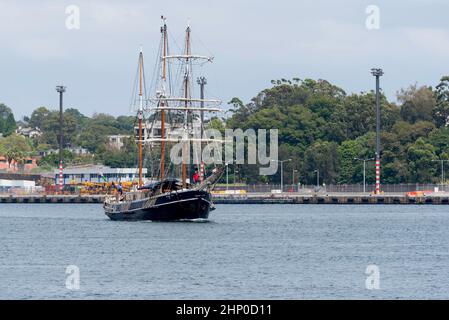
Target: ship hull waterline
{"x":174,"y":206}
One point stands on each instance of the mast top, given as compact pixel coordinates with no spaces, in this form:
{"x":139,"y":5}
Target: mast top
{"x":164,"y":27}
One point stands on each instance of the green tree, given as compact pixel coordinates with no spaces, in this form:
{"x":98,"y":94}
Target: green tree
{"x":322,"y":156}
{"x":417,"y":104}
{"x":356,"y":116}
{"x":350,"y":168}
{"x":420,"y":156}
{"x":441,"y":113}
{"x":126,"y":123}
{"x":439,"y":138}
{"x":7,"y":121}
{"x":38,"y":117}
{"x":15,"y":148}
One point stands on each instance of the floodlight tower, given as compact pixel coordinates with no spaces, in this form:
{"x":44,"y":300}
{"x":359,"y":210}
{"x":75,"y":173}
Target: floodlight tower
{"x":377,"y":72}
{"x":61,"y":90}
{"x":202,"y":81}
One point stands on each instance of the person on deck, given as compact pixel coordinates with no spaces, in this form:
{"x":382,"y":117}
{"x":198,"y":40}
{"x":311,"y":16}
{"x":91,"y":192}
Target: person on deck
{"x":196,"y":177}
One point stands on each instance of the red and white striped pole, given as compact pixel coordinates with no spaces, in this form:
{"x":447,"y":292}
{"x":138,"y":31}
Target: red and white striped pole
{"x":61,"y":177}
{"x":377,"y":73}
{"x":61,"y":90}
{"x":201,"y":171}
{"x":377,"y":176}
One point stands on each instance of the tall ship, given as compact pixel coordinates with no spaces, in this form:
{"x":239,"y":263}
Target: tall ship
{"x":171,"y":116}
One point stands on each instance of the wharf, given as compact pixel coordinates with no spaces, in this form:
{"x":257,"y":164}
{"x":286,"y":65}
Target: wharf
{"x":259,"y":198}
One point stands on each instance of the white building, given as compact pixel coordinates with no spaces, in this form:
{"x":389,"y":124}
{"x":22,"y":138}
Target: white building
{"x":153,"y":130}
{"x":98,"y":173}
{"x":29,"y":132}
{"x":117,"y":141}
{"x":6,"y":185}
{"x":75,"y":150}
{"x":78,"y":151}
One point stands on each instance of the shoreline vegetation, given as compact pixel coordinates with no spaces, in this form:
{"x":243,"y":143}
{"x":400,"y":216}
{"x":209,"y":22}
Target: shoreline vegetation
{"x":321,"y":127}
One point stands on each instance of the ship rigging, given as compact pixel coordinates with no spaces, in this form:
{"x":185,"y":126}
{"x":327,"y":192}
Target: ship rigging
{"x":172,"y":118}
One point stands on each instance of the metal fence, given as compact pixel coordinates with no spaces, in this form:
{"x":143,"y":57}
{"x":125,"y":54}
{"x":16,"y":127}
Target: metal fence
{"x":389,"y":188}
{"x":268,"y":188}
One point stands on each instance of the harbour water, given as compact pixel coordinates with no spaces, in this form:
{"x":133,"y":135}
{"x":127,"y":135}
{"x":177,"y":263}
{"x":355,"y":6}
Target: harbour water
{"x":243,"y":252}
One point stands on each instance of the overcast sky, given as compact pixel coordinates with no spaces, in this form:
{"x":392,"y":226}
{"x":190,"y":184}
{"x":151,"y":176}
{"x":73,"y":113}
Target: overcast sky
{"x":252,"y":42}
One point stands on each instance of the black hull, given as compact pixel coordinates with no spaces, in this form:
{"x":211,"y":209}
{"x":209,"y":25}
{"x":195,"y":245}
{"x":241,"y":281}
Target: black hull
{"x":173,"y":206}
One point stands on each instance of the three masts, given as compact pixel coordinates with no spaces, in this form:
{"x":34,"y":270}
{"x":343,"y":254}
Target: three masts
{"x":168,"y":198}
{"x":164,"y":103}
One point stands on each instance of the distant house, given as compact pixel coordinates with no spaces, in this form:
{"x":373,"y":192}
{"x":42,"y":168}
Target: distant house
{"x":79,"y":151}
{"x":117,"y":141}
{"x":29,"y":132}
{"x":26,"y":166}
{"x":3,"y":164}
{"x":48,"y":152}
{"x":75,"y":150}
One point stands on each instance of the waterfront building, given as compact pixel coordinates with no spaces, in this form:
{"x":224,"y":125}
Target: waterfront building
{"x":23,"y":182}
{"x":26,"y":165}
{"x":7,"y":185}
{"x":97,"y":173}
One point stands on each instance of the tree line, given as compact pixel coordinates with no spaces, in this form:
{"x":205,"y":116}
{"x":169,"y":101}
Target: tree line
{"x":79,"y":131}
{"x":321,"y":127}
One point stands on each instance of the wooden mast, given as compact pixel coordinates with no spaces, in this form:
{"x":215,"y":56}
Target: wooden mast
{"x":140,"y":115}
{"x":164,"y":78}
{"x":186,"y":96}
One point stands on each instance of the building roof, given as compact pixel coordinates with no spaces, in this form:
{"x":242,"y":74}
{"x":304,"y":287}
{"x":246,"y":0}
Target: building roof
{"x":99,"y":169}
{"x":119,"y":136}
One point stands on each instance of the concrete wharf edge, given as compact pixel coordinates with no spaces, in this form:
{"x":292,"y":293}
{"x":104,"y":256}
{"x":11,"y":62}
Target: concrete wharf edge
{"x":296,"y":199}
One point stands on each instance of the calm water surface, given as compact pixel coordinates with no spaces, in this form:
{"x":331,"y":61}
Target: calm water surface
{"x":244,"y":252}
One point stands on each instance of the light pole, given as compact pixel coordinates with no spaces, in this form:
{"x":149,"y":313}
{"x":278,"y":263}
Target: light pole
{"x":317,"y":177}
{"x":61,"y":90}
{"x":377,"y":73}
{"x":364,"y":170}
{"x":202,"y":82}
{"x":235,"y":173}
{"x":442,"y":169}
{"x":282,"y":171}
{"x":293,"y":179}
{"x":227,"y":175}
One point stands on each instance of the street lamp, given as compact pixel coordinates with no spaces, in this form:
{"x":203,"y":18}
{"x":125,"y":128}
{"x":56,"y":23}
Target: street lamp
{"x":235,"y":173}
{"x":293,"y":179}
{"x":202,"y":82}
{"x":442,"y":169}
{"x":317,"y":177}
{"x":364,"y":170}
{"x":282,"y":171}
{"x":227,"y":174}
{"x":377,"y":73}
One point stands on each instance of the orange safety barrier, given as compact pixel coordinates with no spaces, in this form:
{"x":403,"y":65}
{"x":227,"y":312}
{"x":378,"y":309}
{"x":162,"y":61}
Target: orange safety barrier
{"x":421,"y":193}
